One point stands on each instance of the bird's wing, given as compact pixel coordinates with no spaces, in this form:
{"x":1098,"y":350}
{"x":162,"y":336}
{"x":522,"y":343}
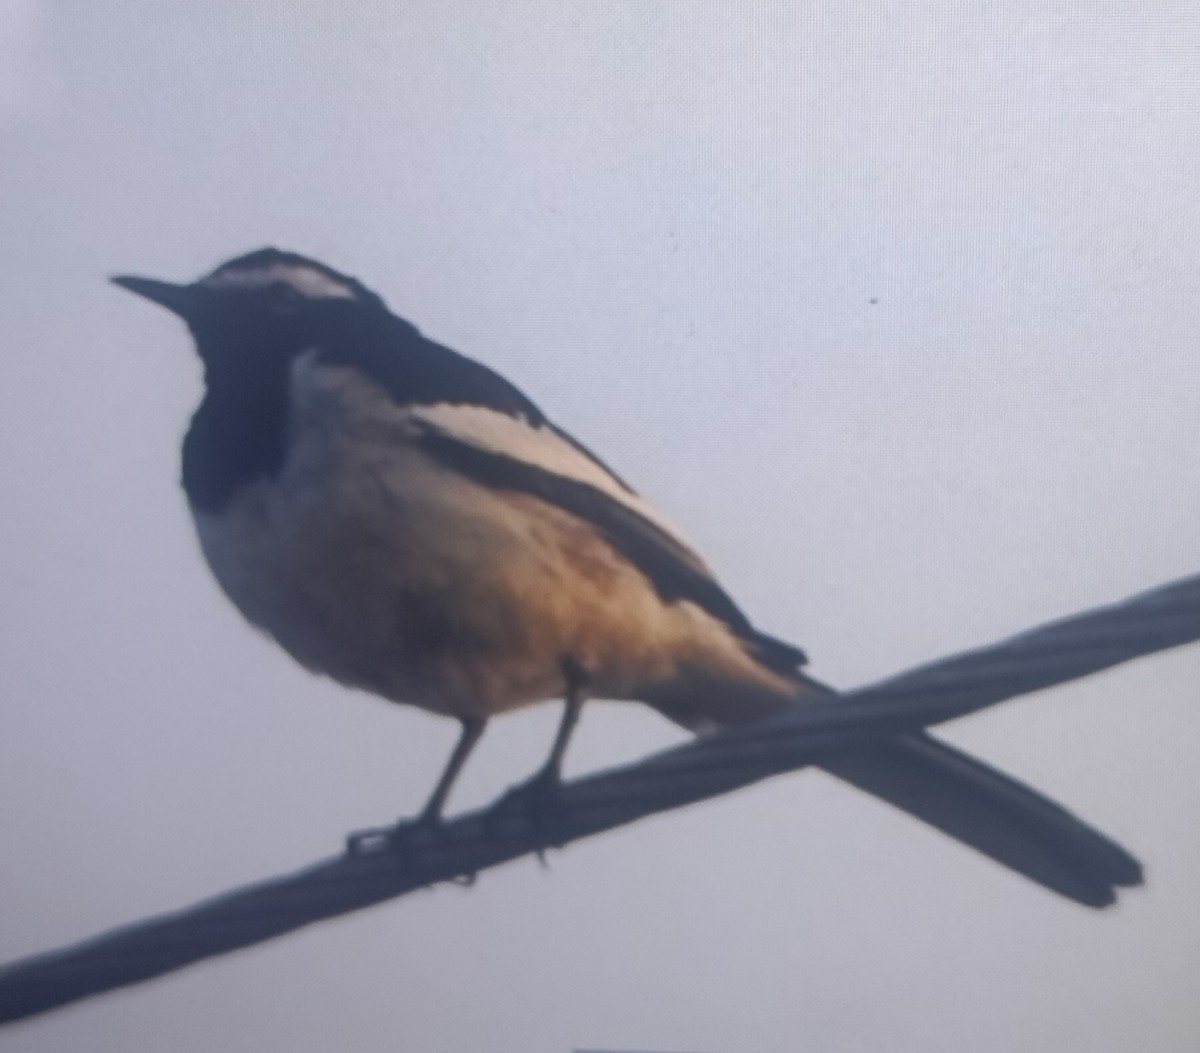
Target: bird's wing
{"x":478,"y":423}
{"x":507,"y":451}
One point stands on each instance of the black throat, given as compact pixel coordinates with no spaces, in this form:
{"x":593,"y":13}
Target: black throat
{"x":237,"y":435}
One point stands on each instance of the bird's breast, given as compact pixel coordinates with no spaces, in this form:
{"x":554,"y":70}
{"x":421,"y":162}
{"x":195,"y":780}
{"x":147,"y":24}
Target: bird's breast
{"x":372,"y":563}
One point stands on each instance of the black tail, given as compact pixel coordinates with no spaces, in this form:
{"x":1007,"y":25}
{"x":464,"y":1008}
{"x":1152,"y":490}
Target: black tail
{"x":961,"y":796}
{"x":988,"y":810}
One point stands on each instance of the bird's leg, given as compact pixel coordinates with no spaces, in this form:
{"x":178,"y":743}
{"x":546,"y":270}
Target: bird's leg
{"x":472,"y":731}
{"x":550,"y":774}
{"x":540,"y":795}
{"x":430,"y":817}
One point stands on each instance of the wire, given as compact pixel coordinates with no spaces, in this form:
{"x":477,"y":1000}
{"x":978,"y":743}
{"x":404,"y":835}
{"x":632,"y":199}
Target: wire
{"x":953,"y":687}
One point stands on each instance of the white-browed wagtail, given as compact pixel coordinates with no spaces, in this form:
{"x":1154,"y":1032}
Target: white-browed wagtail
{"x":401,"y":518}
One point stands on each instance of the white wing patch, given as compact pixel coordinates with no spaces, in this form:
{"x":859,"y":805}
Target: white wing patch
{"x":539,"y":445}
{"x":310,"y":282}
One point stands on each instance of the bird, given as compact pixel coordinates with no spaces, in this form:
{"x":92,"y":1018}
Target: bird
{"x":403,"y":519}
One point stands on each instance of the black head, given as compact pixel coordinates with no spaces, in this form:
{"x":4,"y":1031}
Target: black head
{"x":264,"y":303}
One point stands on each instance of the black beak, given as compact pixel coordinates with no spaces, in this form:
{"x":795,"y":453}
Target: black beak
{"x":183,"y":300}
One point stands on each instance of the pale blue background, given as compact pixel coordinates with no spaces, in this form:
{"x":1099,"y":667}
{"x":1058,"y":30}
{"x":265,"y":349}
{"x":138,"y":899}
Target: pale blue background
{"x":668,"y":222}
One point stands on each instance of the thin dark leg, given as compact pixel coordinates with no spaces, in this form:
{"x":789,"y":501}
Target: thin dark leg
{"x":539,"y":796}
{"x":472,"y":730}
{"x":431,"y":815}
{"x":551,"y":771}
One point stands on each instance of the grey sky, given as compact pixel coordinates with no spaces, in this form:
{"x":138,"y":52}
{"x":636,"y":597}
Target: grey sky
{"x":669,"y":224}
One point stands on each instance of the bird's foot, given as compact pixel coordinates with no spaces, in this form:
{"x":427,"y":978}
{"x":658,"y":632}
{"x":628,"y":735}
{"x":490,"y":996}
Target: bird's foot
{"x":402,"y":838}
{"x":405,"y":842}
{"x":537,"y":801}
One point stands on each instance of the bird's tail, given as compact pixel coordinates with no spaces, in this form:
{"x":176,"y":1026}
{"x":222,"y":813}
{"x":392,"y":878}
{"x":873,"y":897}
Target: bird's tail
{"x":981,"y":807}
{"x":996,"y":814}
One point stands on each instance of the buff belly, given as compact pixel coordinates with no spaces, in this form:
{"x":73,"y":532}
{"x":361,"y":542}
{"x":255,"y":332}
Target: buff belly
{"x":372,"y":563}
{"x":406,"y":580}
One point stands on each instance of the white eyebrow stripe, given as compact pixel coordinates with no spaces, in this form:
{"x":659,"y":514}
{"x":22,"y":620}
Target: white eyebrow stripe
{"x":309,"y":281}
{"x":540,"y":445}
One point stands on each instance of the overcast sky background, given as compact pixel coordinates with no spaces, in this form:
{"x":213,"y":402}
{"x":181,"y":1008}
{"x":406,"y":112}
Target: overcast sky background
{"x":893,"y":306}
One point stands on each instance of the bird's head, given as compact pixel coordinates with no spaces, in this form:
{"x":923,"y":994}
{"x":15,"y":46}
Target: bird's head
{"x":266,"y":304}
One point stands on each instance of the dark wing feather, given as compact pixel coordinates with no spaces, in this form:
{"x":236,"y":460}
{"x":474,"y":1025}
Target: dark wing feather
{"x":417,"y":371}
{"x":669,"y":566}
{"x":414,"y":369}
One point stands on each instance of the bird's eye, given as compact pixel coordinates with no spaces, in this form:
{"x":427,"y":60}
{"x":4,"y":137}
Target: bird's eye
{"x":285,"y":298}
